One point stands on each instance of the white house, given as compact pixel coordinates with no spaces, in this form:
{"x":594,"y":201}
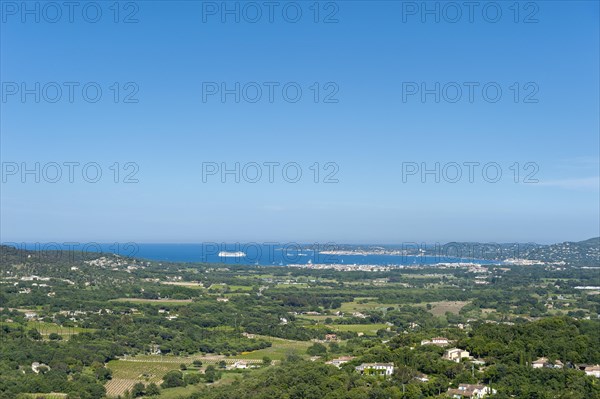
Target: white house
{"x":558,"y":364}
{"x":155,"y":349}
{"x":30,"y":315}
{"x":439,"y":341}
{"x":544,"y":362}
{"x":35,"y":367}
{"x":456,"y":354}
{"x":240,"y":364}
{"x":539,"y":363}
{"x":340,"y":360}
{"x":384,"y":369}
{"x":470,"y":391}
{"x":593,"y":370}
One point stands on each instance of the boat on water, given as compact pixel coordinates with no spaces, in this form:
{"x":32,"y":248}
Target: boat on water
{"x":237,"y":254}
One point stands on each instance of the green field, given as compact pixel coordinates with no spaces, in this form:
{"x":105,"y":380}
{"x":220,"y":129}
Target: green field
{"x":126,"y":373}
{"x":240,"y":287}
{"x":48,"y":328}
{"x":186,"y":284}
{"x":367,"y":329}
{"x":295,"y":285}
{"x":369,"y":304}
{"x":440,"y":308}
{"x":151,"y":368}
{"x":153,"y":301}
{"x":318,"y":317}
{"x":182,"y":392}
{"x":279,"y":350}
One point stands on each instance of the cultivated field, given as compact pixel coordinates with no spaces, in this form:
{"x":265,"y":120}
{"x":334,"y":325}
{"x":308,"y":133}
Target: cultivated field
{"x":151,"y":368}
{"x":153,"y":301}
{"x":440,"y":308}
{"x":126,"y":373}
{"x":187,"y":284}
{"x":366,"y":329}
{"x":279,"y":350}
{"x":318,"y":317}
{"x":362,"y":304}
{"x":48,"y":328}
{"x":183,"y":392}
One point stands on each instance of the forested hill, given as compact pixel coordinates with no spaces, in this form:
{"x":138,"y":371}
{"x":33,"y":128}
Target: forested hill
{"x":581,"y":253}
{"x":48,"y":253}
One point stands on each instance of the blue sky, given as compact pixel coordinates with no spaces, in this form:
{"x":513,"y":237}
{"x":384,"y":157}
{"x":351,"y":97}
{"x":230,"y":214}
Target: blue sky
{"x":371,"y":56}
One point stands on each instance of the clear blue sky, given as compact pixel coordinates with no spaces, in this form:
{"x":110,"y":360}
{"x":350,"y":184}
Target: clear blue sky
{"x":368,"y":133}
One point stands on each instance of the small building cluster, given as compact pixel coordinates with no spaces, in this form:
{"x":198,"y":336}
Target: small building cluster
{"x":456,"y":354}
{"x":340,"y":361}
{"x":331,"y":337}
{"x":470,"y":391}
{"x":589,"y":369}
{"x":594,"y":370}
{"x":378,"y":369}
{"x":240,"y":365}
{"x":439,"y":341}
{"x":544,"y":362}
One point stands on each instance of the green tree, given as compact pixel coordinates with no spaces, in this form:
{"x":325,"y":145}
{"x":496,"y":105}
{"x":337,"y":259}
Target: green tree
{"x":173,"y":379}
{"x":192,"y":378}
{"x":211,"y":374}
{"x":152,"y":390}
{"x":317,"y":349}
{"x":54,"y":337}
{"x":34,"y":334}
{"x":138,"y":390}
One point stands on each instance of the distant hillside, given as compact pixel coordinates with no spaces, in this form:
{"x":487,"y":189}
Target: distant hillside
{"x":592,"y":242}
{"x":582,"y":253}
{"x":72,"y":267}
{"x":12,"y":255}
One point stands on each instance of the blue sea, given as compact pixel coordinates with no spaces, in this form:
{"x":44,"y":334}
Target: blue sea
{"x":263,"y":254}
